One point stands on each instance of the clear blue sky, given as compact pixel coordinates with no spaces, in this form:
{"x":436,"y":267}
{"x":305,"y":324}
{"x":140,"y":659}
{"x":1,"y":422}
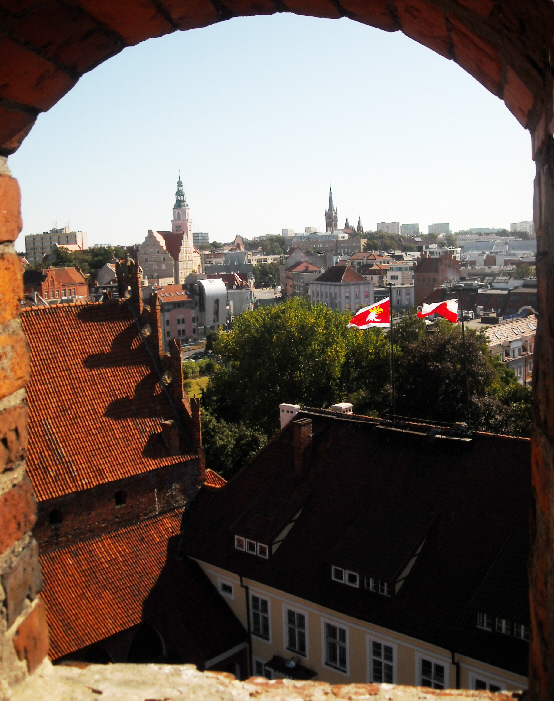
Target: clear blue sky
{"x":261,"y":115}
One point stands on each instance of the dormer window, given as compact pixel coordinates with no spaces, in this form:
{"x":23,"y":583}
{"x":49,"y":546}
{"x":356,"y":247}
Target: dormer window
{"x":240,"y":543}
{"x":338,"y":574}
{"x":251,"y":546}
{"x":263,"y":551}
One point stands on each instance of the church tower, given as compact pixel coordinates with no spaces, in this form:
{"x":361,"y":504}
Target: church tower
{"x":181,"y":222}
{"x":188,"y":259}
{"x":360,"y":228}
{"x":331,"y":217}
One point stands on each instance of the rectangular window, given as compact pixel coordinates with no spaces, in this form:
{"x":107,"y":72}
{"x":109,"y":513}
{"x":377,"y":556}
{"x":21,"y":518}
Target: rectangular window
{"x":262,"y":550}
{"x":521,"y":631}
{"x":485,"y":685}
{"x":226,"y":589}
{"x":259,"y":668}
{"x":502,"y":625}
{"x":260,"y":616}
{"x":484,"y":620}
{"x":381,"y":663}
{"x":337,"y":574}
{"x":335,"y":647}
{"x":240,"y":543}
{"x":352,"y":579}
{"x":432,"y":674}
{"x":383,"y":588}
{"x":370,"y":583}
{"x":296,"y":632}
{"x":167,"y":322}
{"x":251,"y":546}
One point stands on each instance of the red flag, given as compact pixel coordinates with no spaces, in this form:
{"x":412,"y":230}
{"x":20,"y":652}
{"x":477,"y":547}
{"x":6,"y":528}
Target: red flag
{"x":448,"y":309}
{"x":376,"y":315}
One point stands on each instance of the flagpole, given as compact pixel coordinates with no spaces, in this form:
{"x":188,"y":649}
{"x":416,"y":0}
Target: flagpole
{"x":393,"y":395}
{"x":461,"y":312}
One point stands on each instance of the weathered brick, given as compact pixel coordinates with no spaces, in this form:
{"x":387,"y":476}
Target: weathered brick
{"x":75,"y":40}
{"x":133,"y":20}
{"x":28,"y":79}
{"x":240,"y":8}
{"x":10,"y":209}
{"x":11,"y":286}
{"x":314,"y":8}
{"x":13,"y":436}
{"x":190,"y":14}
{"x":518,"y":99}
{"x":477,"y":56}
{"x":14,"y":361}
{"x":376,"y":14}
{"x":22,"y":580}
{"x":480,"y":7}
{"x":14,"y":127}
{"x":17,"y":507}
{"x":425,"y":23}
{"x":31,"y":638}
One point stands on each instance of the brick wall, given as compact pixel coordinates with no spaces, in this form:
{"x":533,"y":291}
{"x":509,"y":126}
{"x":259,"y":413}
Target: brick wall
{"x":46,"y":45}
{"x":145,"y":495}
{"x":23,"y":631}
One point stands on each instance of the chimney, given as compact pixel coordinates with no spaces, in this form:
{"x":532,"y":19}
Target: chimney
{"x":136,"y":291}
{"x":302,"y":443}
{"x":197,"y":435}
{"x":170,"y":434}
{"x":155,"y":319}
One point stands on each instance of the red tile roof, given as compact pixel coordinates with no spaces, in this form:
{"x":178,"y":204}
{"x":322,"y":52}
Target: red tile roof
{"x":95,"y":404}
{"x":341,"y":273}
{"x":214,"y":479}
{"x":173,"y":243}
{"x":117,"y":580}
{"x":96,"y":588}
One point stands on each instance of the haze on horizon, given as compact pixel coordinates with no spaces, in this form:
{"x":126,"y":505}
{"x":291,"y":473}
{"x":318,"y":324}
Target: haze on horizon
{"x":260,"y":115}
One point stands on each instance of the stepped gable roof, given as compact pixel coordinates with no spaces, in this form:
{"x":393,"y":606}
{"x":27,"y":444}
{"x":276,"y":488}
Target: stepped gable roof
{"x":341,"y":273}
{"x":117,"y":580}
{"x":95,"y":402}
{"x":375,"y":499}
{"x":173,"y":242}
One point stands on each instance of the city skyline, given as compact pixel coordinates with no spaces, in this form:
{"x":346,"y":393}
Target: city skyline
{"x":267,"y":113}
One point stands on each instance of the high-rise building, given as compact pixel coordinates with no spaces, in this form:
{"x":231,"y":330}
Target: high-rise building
{"x":200,"y":237}
{"x":331,"y":215}
{"x":409,"y":229}
{"x":440,"y":228}
{"x":39,"y":245}
{"x":526,"y":226}
{"x":391,"y":227}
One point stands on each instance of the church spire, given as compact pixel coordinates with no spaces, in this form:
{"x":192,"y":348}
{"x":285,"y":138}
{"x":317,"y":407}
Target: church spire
{"x":331,"y":217}
{"x":180,"y":199}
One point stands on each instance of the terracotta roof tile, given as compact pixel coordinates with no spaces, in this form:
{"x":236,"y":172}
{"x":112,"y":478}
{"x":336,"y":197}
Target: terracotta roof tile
{"x":214,"y":479}
{"x":96,"y":588}
{"x":92,"y":395}
{"x":340,"y":273}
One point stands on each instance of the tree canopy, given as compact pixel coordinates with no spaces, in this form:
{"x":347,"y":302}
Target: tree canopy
{"x":266,"y":275}
{"x":305,"y":354}
{"x":88,"y":260}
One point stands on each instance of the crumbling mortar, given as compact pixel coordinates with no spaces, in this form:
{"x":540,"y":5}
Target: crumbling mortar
{"x":18,"y":398}
{"x":11,"y":477}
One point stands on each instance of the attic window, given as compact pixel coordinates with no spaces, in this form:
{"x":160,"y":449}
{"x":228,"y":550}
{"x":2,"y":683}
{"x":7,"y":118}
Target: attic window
{"x":263,"y":551}
{"x":338,"y":574}
{"x":120,"y":498}
{"x":240,"y":543}
{"x":251,"y":546}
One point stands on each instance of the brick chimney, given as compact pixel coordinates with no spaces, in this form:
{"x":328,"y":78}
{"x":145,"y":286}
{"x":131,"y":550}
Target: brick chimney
{"x":155,"y":321}
{"x":170,"y":434}
{"x":197,"y":435}
{"x":302,"y":443}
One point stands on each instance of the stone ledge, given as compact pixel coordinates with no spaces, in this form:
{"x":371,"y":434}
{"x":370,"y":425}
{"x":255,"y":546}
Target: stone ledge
{"x":132,"y":682}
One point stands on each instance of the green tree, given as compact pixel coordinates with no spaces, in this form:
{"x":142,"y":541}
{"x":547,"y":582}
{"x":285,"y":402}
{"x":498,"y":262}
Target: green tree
{"x":292,"y":352}
{"x":430,"y":383}
{"x":228,"y":446}
{"x":266,"y":275}
{"x":450,"y":240}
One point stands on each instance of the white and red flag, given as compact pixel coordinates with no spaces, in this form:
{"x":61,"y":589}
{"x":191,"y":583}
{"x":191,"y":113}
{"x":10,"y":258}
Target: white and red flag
{"x":448,"y":309}
{"x":376,"y":315}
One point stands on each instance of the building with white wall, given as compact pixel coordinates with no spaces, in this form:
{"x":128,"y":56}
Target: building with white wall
{"x":391,"y":227}
{"x":39,"y":245}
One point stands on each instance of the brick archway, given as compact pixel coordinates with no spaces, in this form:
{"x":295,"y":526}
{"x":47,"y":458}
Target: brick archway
{"x":46,"y":45}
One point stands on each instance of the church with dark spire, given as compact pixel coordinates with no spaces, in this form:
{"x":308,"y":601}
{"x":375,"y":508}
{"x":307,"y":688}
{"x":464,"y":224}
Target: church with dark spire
{"x":331,"y":216}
